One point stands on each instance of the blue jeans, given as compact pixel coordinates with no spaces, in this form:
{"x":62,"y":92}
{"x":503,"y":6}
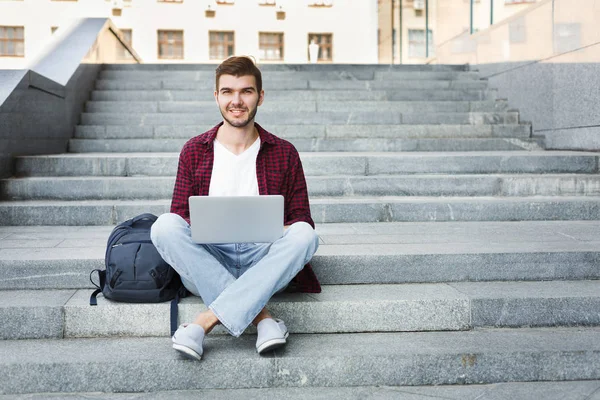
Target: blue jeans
{"x":234,"y":280}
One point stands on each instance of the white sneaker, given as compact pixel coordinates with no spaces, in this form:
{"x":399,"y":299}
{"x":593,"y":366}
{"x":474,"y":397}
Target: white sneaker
{"x":272,"y":334}
{"x":188,"y":340}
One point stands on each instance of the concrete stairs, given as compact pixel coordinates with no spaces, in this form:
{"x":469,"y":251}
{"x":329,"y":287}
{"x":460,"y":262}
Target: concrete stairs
{"x":454,"y":249}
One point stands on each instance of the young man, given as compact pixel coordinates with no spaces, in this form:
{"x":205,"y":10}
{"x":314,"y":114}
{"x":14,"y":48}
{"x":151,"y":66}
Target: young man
{"x":238,"y":158}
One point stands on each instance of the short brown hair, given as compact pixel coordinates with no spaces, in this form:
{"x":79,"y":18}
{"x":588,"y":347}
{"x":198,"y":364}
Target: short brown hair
{"x":239,"y":66}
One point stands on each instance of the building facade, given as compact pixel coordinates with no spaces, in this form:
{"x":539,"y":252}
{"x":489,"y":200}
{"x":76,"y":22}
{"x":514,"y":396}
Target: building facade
{"x":402,"y":24}
{"x":200,"y":31}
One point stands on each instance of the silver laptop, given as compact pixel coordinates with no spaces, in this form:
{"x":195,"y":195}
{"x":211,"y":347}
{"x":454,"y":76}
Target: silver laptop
{"x":236,"y":219}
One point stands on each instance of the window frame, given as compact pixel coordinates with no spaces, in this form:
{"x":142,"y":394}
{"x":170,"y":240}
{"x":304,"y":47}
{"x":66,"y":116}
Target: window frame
{"x":226,"y":43}
{"x":277,"y":46}
{"x":323,"y":45}
{"x":423,"y":43}
{"x":515,"y":2}
{"x":127,"y":33}
{"x":320,"y":3}
{"x":13,"y":40}
{"x":159,"y":42}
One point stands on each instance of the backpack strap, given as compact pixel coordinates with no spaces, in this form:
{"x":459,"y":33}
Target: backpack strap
{"x":182,"y":292}
{"x":174,"y":312}
{"x":93,"y":300}
{"x":141,"y":217}
{"x":102,"y":278}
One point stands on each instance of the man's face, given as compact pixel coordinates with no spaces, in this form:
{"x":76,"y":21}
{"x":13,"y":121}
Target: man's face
{"x":238,"y":99}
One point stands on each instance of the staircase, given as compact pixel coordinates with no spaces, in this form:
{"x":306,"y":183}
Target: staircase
{"x":454,"y":249}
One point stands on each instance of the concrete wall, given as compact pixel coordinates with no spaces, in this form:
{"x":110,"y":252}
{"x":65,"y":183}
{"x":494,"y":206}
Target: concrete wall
{"x":39,"y":115}
{"x":40,"y":108}
{"x":546,"y":62}
{"x":560,"y":99}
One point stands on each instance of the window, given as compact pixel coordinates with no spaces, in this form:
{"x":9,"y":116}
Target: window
{"x":270,"y":46}
{"x":221,"y":45}
{"x":416,"y":43}
{"x":126,"y":36}
{"x":320,"y":3}
{"x":567,"y":37}
{"x":170,"y":45}
{"x":325,"y":42}
{"x":517,"y":31}
{"x":12,"y":41}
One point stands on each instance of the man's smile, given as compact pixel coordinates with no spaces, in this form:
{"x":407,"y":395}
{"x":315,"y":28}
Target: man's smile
{"x":237,"y":111}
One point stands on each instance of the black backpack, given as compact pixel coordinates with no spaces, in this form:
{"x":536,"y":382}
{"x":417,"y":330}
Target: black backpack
{"x":135,"y":272}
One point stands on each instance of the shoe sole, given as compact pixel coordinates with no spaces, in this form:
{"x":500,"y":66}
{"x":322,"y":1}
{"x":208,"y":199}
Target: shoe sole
{"x":272,"y":344}
{"x":187,"y":352}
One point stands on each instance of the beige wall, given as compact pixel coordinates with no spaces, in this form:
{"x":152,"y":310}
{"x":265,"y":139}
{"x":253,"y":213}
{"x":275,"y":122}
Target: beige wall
{"x":541,"y":31}
{"x":447,"y":19}
{"x":410,"y":20}
{"x":454,"y":16}
{"x":354,"y":27}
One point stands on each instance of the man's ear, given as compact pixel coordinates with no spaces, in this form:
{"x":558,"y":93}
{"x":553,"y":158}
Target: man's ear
{"x":216,"y":94}
{"x":261,"y":97}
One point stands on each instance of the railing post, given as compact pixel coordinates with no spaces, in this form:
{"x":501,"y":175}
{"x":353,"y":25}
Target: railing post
{"x":392,"y":33}
{"x":471,"y":22}
{"x":400,"y":28}
{"x":426,"y":28}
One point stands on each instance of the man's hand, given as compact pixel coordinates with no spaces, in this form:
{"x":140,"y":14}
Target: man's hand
{"x":285,"y":227}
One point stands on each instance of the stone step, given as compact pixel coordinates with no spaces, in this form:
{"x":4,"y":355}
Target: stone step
{"x":301,"y":95}
{"x":320,"y":145}
{"x":325,"y":210}
{"x":424,"y":75}
{"x":338,"y":309}
{"x":339,"y":74}
{"x":302,"y":118}
{"x":42,"y":314}
{"x":61,"y":257}
{"x":312,"y":131}
{"x":160,"y":187}
{"x":411,"y":358}
{"x":296,"y":84}
{"x":291,"y":67}
{"x":209,"y":107}
{"x":588,"y":390}
{"x":321,"y":164}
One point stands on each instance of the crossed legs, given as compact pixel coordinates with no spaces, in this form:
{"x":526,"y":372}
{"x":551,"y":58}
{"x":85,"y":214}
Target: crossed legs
{"x":235,"y":281}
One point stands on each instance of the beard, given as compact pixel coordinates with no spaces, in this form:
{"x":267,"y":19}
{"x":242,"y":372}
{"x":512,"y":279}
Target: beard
{"x":240,"y":123}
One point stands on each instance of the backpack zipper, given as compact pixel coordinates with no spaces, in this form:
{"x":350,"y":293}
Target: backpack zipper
{"x":134,"y":241}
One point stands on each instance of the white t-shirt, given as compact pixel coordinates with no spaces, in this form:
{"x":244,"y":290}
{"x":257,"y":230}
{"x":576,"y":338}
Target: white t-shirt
{"x":234,"y":175}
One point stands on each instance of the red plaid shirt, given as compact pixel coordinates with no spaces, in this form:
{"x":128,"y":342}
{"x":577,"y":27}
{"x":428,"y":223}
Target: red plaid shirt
{"x":278,"y":171}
